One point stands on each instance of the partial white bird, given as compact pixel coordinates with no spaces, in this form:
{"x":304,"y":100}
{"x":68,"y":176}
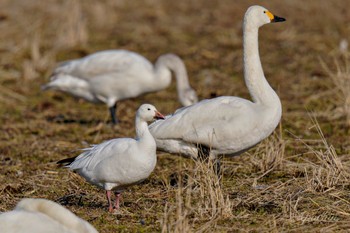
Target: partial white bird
{"x":119,"y":163}
{"x":42,"y":216}
{"x":113,"y":75}
{"x":227,"y":125}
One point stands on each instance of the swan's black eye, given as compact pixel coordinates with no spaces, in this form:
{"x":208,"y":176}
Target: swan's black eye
{"x":148,"y":109}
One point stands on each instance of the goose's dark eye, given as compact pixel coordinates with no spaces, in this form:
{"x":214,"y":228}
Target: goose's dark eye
{"x":264,"y":12}
{"x":148,"y":109}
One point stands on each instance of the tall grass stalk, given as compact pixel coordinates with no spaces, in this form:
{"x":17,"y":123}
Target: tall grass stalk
{"x":328,"y":171}
{"x":199,"y":197}
{"x":341,"y":79}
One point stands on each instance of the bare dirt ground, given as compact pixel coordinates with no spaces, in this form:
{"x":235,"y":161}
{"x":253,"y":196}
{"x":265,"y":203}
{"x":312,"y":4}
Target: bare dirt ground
{"x":295,"y":181}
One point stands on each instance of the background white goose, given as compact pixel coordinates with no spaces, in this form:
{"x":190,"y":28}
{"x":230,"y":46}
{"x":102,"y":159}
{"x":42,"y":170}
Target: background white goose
{"x":42,"y":216}
{"x":113,"y":75}
{"x":227,"y":125}
{"x":119,"y":163}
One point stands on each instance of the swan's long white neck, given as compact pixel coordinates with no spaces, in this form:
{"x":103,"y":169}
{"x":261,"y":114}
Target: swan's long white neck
{"x":259,"y":88}
{"x":163,"y":67}
{"x":143,"y":136}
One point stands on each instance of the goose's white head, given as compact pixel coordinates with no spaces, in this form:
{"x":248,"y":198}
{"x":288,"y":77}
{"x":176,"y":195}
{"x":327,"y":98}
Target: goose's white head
{"x":148,"y":112}
{"x":258,"y":16}
{"x":188,"y":97}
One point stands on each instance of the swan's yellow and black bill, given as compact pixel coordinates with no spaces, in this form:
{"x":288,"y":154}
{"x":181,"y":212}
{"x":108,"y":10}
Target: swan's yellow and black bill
{"x":277,"y":19}
{"x":274,"y":18}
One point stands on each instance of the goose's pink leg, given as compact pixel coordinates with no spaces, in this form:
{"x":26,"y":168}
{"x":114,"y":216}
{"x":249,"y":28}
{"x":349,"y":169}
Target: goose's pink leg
{"x":117,"y":198}
{"x":108,"y":194}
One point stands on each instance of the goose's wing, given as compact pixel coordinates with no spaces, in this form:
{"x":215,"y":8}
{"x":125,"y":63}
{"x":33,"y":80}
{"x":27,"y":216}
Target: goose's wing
{"x":94,"y":155}
{"x":206,"y":122}
{"x":104,"y":63}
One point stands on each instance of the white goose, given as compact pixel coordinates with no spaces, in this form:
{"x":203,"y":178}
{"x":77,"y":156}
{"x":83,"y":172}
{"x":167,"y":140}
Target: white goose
{"x":42,"y":216}
{"x":227,"y":125}
{"x":113,"y":75}
{"x":119,"y":163}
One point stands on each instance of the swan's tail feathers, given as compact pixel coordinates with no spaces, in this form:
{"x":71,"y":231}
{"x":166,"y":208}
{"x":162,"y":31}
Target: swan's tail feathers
{"x":53,"y":81}
{"x":60,"y":81}
{"x":46,"y":87}
{"x":66,"y":162}
{"x":72,"y":85}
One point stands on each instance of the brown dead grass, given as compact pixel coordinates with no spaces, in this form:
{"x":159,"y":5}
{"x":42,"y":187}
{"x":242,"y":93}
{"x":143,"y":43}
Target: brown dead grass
{"x":295,"y":181}
{"x":198,"y":196}
{"x":341,"y":79}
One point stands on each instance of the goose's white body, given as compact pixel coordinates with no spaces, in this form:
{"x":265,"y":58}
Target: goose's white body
{"x":113,"y":75}
{"x":227,"y":125}
{"x":42,"y":216}
{"x":119,"y":163}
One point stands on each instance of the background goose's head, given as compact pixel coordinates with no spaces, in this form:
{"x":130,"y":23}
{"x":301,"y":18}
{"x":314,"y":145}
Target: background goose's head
{"x":258,"y":16}
{"x":188,"y":97}
{"x":148,"y":112}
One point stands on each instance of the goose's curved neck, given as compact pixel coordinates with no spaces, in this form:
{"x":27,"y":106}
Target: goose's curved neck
{"x":143,"y":136}
{"x":259,"y":88}
{"x":163,"y":67}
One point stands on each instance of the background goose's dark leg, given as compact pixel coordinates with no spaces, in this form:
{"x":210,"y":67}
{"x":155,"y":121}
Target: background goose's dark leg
{"x":113,"y":111}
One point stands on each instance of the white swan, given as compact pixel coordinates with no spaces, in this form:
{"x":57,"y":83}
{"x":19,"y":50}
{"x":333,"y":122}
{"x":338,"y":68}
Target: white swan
{"x":227,"y":125}
{"x":119,"y":163}
{"x":42,"y":216}
{"x":113,"y":75}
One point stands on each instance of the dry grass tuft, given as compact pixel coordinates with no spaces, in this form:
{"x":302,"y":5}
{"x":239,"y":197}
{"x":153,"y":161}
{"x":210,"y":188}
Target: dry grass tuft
{"x":199,"y":198}
{"x":269,"y":155}
{"x":38,"y":62}
{"x":328,"y":170}
{"x":35,"y":43}
{"x":73,"y":31}
{"x":341,"y":79}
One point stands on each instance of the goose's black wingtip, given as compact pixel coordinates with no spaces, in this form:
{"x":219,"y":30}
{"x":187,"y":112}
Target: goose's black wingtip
{"x":65,"y":162}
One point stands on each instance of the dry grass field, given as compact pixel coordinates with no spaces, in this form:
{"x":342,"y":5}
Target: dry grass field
{"x":297,"y":180}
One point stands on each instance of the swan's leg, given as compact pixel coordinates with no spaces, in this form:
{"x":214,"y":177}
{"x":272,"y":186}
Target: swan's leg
{"x":108,"y":194}
{"x":117,"y":198}
{"x":203,"y":152}
{"x":217,"y":167}
{"x":203,"y":155}
{"x":113,"y":111}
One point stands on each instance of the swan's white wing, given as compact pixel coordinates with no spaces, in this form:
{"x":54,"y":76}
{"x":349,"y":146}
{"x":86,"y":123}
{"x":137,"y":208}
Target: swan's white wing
{"x":42,"y":216}
{"x":56,"y":214}
{"x":104,"y":63}
{"x":96,"y":154}
{"x":29,"y":222}
{"x":207,"y":122}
